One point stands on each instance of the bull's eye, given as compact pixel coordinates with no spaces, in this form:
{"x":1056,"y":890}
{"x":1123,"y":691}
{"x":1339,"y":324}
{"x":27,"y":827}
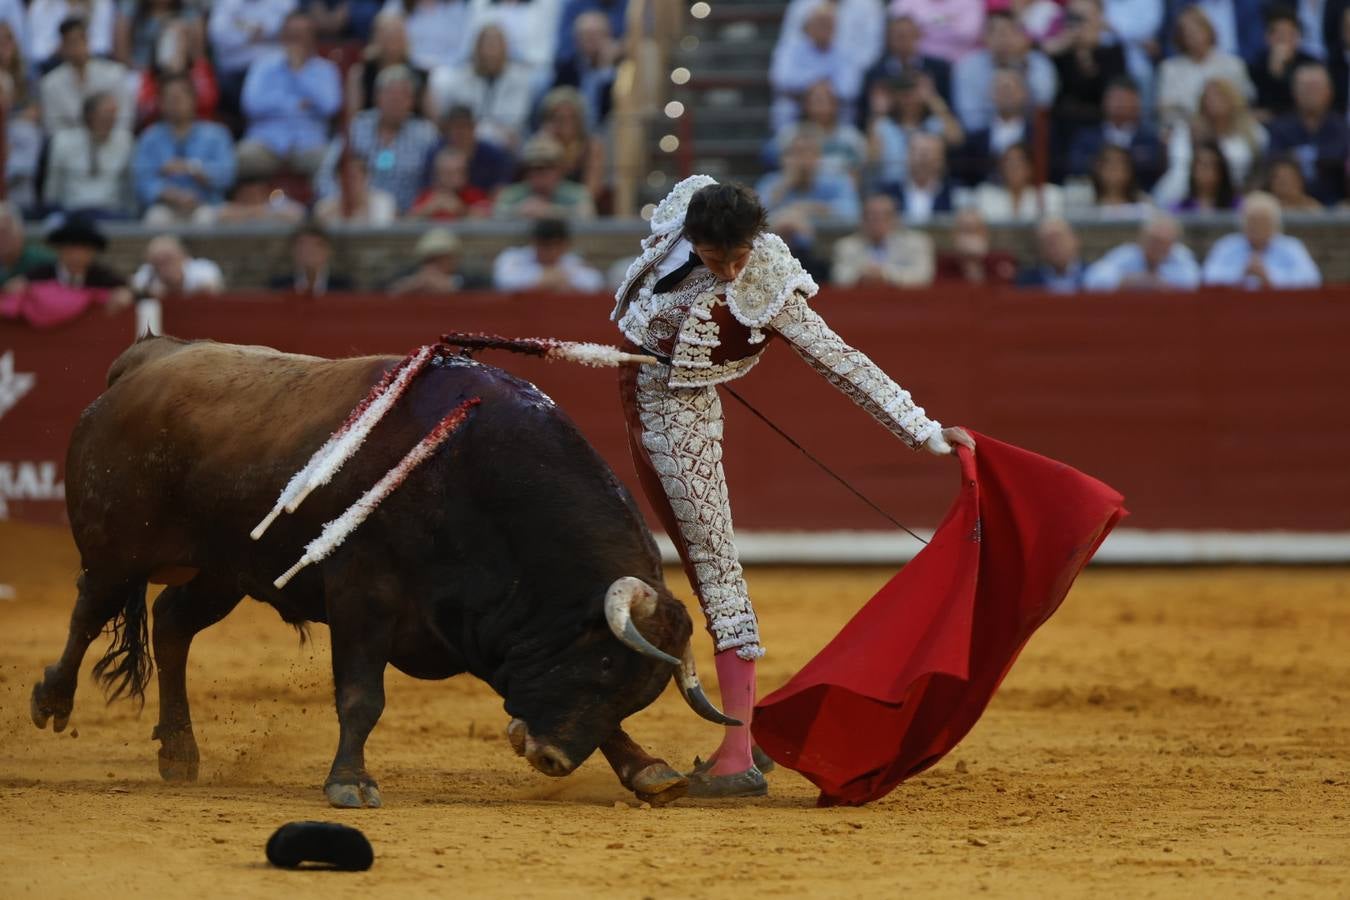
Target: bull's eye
{"x":606,"y":664}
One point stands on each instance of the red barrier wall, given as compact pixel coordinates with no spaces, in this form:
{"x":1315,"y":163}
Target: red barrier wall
{"x":1209,"y":411}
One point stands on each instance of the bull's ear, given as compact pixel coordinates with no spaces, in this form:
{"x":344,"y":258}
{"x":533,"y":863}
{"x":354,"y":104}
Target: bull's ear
{"x":632,"y":598}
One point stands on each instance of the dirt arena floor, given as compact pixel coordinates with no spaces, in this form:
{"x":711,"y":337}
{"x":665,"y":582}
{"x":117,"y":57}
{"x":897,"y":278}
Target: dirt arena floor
{"x":1168,"y":733}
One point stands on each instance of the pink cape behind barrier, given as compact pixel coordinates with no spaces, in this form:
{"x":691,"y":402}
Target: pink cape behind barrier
{"x":911,"y":673}
{"x":46,"y":304}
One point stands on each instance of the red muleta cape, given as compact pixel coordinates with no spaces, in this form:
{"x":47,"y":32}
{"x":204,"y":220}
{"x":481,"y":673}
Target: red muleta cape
{"x":910,"y":674}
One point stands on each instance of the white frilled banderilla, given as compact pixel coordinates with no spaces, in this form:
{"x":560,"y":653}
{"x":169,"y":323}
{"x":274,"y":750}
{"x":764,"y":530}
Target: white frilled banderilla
{"x":348,"y":438}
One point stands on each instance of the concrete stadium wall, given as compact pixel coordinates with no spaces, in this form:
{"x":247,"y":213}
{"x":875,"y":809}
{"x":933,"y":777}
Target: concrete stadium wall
{"x":1214,"y":413}
{"x":250,"y":256}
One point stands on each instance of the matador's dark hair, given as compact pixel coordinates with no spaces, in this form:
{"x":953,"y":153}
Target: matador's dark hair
{"x":724,"y":216}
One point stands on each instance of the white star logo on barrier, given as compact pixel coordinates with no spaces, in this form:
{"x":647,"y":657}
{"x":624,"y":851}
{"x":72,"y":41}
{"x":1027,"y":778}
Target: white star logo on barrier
{"x":13,"y":385}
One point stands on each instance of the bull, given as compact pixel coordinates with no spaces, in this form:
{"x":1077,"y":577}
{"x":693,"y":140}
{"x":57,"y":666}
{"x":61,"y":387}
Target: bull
{"x":513,"y":554}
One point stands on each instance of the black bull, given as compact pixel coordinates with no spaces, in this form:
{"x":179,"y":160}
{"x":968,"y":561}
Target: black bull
{"x":513,"y":553}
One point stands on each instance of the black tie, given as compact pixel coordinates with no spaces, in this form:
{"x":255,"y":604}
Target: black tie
{"x":674,"y":278}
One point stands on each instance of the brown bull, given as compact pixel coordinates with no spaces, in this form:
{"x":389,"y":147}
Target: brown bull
{"x":513,"y":554}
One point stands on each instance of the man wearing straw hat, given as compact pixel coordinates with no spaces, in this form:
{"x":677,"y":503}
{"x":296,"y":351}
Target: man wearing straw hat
{"x":437,"y":254}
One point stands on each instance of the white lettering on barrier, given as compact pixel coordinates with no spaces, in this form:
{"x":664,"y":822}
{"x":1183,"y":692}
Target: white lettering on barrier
{"x":13,"y":385}
{"x":29,"y":481}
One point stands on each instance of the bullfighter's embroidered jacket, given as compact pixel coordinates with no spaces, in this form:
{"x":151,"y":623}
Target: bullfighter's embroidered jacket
{"x":713,"y":331}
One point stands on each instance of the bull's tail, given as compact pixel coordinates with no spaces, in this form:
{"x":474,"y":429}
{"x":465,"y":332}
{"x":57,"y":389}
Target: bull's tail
{"x":125,"y":668}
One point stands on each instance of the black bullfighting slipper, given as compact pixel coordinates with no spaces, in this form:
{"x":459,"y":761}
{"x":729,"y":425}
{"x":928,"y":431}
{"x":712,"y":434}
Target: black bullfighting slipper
{"x":760,"y":758}
{"x":750,"y":783}
{"x":326,"y":843}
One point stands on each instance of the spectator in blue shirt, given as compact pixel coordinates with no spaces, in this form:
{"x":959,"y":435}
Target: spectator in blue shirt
{"x":803,"y":183}
{"x":1316,"y":136}
{"x":615,"y":11}
{"x":1260,"y":256}
{"x":289,"y":98}
{"x":1158,"y":261}
{"x":392,"y":141}
{"x":1060,"y":269}
{"x":183,"y":167}
{"x":1006,"y":46}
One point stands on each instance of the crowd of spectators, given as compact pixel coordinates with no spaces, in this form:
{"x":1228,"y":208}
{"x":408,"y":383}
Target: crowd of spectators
{"x":183,"y":111}
{"x":885,"y":115}
{"x":1038,"y":111}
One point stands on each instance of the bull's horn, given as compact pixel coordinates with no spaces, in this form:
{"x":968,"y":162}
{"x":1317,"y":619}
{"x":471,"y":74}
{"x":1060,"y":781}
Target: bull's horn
{"x":624,"y":598}
{"x":686,"y":676}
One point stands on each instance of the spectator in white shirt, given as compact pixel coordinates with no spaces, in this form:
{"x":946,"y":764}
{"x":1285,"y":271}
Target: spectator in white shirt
{"x":498,"y":90}
{"x":45,"y":17}
{"x":530,"y":26}
{"x":168,"y":271}
{"x":65,"y":89}
{"x":1261,"y":256}
{"x":1157,"y":261}
{"x":1015,"y":196}
{"x":89,"y":167}
{"x":1224,"y":119}
{"x":547,"y":264}
{"x":1181,"y":79}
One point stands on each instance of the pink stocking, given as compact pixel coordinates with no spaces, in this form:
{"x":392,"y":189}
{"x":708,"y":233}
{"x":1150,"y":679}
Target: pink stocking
{"x":736,"y":678}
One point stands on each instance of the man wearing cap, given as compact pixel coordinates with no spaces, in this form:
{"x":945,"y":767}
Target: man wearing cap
{"x":545,"y":192}
{"x":62,"y":290}
{"x":437,"y":254}
{"x":78,"y":242}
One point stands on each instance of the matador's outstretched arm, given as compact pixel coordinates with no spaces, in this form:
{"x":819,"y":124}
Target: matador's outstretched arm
{"x":860,"y":379}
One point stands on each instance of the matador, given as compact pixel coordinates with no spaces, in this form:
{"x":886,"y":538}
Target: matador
{"x":708,"y":288}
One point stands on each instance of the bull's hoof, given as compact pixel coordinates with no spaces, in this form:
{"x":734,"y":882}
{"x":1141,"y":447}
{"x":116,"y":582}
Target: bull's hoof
{"x":178,"y":756}
{"x":353,"y":796}
{"x":659,"y":785}
{"x":44,"y":707}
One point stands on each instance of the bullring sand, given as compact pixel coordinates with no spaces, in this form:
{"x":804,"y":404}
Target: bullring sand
{"x":1168,"y":733}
